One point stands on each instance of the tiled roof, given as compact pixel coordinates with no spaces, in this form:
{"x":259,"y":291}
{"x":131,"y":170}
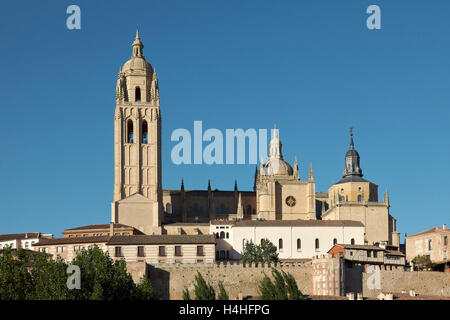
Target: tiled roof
{"x":360,"y":246}
{"x":72,"y":240}
{"x":19,"y":236}
{"x":162,"y":239}
{"x":288,"y":223}
{"x":99,"y":226}
{"x":394,"y":253}
{"x":186,"y":224}
{"x":434,"y":229}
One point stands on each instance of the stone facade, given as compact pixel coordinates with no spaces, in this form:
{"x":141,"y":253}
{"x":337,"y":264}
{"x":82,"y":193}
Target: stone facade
{"x":296,"y":239}
{"x":422,"y":282}
{"x":170,"y":280}
{"x":433,"y":242}
{"x":137,"y":146}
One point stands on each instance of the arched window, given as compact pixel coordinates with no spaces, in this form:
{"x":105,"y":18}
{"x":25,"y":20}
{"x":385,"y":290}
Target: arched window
{"x":169,"y":208}
{"x":352,"y":241}
{"x":144,"y":132}
{"x":299,"y":244}
{"x":138,"y":94}
{"x":222,"y":234}
{"x":130,"y":132}
{"x":280,"y":244}
{"x":317,"y":244}
{"x":334,"y":241}
{"x":227,"y":235}
{"x":217,"y":235}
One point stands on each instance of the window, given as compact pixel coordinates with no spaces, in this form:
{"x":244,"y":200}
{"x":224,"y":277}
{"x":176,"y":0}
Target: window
{"x":200,"y":251}
{"x":140,"y":251}
{"x":217,"y":255}
{"x":369,"y":254}
{"x":280,"y":244}
{"x":352,"y":241}
{"x":162,"y":251}
{"x":130,"y":132}
{"x":374,"y":254}
{"x":359,"y":198}
{"x":430,"y":245}
{"x":169,"y":208}
{"x":222,"y":234}
{"x":299,"y":244}
{"x":178,"y":251}
{"x":334,"y":241}
{"x":317,"y":244}
{"x":118,"y":251}
{"x":445,"y":241}
{"x":144,"y":132}
{"x":222,"y":254}
{"x":138,"y":94}
{"x":227,"y":235}
{"x":228,"y":254}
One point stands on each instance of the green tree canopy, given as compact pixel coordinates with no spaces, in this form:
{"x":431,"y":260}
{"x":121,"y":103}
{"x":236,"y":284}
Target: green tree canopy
{"x":266,"y":252}
{"x":203,"y":290}
{"x":422,"y":262}
{"x":283,"y":287}
{"x":223,"y":295}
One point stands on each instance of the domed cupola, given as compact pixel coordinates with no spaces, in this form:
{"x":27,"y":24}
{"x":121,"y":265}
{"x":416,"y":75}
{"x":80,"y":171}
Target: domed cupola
{"x":276,"y":165}
{"x":137,"y":63}
{"x":352,"y":171}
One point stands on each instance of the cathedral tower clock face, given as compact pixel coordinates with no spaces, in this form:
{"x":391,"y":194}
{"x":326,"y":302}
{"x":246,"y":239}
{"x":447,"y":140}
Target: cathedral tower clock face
{"x":290,"y":201}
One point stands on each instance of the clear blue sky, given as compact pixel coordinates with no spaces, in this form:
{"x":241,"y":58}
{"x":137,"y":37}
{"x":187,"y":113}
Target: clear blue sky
{"x":310,"y":66}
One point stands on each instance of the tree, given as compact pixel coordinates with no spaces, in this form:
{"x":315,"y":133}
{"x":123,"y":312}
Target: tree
{"x":223,"y":295}
{"x":144,"y":290}
{"x":284,"y":287}
{"x":98,"y":269}
{"x":266,"y":252}
{"x":203,"y":290}
{"x":16,"y":282}
{"x":186,"y":295}
{"x":422,"y":262}
{"x":49,"y":278}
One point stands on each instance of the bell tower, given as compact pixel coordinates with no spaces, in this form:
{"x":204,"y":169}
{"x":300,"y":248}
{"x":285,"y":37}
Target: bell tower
{"x":137,"y":145}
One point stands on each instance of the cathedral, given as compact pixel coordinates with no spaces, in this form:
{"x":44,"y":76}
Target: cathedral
{"x":278,"y":193}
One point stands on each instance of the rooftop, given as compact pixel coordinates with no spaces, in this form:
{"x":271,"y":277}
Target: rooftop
{"x":289,"y":223}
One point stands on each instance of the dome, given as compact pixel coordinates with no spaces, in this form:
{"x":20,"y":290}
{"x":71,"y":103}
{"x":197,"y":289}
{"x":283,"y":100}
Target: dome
{"x":277,"y":166}
{"x":352,"y":153}
{"x":137,"y":61}
{"x":137,"y":64}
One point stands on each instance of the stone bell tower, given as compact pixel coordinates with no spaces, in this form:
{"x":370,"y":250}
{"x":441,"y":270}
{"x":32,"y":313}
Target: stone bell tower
{"x":137,"y":145}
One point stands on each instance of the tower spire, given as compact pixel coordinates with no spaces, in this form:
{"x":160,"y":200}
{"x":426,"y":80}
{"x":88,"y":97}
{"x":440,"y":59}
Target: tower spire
{"x":352,"y":167}
{"x":137,"y":46}
{"x":352,"y":145}
{"x":311,"y":174}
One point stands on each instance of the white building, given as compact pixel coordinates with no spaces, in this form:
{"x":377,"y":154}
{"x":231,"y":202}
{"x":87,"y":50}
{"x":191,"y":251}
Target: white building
{"x":21,"y":240}
{"x":295,"y":239}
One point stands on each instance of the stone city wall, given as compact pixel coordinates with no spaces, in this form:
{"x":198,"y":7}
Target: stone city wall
{"x":422,"y":282}
{"x":170,"y":280}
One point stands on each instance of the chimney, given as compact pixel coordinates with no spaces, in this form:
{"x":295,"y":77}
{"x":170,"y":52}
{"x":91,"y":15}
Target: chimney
{"x":111,"y":228}
{"x":444,"y":226}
